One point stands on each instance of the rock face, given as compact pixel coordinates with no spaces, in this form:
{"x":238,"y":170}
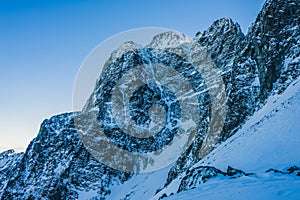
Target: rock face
{"x":56,"y":165}
{"x":222,"y":41}
{"x":267,"y":59}
{"x":8,"y":166}
{"x":254,"y":66}
{"x":201,"y":174}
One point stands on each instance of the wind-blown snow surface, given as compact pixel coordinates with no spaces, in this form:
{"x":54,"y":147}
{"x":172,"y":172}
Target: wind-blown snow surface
{"x":269,"y":139}
{"x":268,"y":187}
{"x":141,"y":186}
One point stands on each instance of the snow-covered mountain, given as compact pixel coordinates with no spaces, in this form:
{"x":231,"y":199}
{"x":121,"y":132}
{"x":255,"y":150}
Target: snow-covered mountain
{"x":254,"y":66}
{"x":266,"y":149}
{"x":260,"y":71}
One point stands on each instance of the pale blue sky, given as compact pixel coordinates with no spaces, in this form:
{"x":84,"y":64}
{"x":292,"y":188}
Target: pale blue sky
{"x":42,"y":44}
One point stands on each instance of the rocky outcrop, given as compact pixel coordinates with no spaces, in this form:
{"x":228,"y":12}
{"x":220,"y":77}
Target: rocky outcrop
{"x":8,"y":166}
{"x":56,"y":165}
{"x":294,"y":170}
{"x":201,"y":174}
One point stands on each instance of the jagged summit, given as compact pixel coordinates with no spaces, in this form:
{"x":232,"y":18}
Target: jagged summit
{"x":129,"y":51}
{"x":7,"y":153}
{"x":168,"y":40}
{"x":124,"y":48}
{"x":222,"y":40}
{"x":221,"y":25}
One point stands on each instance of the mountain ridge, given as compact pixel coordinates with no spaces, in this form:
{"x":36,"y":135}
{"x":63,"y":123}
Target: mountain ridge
{"x":254,"y":66}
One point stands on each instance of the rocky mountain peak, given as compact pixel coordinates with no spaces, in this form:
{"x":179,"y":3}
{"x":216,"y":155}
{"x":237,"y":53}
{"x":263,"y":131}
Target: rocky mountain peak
{"x":7,"y":153}
{"x":221,"y":25}
{"x":126,"y":47}
{"x":168,"y":39}
{"x":221,"y":40}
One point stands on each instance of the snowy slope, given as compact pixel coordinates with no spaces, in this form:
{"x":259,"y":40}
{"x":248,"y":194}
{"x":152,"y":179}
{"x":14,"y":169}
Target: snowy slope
{"x":269,"y":139}
{"x":141,"y":186}
{"x":268,"y":187}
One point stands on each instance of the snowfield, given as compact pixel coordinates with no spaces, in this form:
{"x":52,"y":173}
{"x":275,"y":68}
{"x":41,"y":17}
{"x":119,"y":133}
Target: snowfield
{"x":268,"y":187}
{"x":269,"y":139}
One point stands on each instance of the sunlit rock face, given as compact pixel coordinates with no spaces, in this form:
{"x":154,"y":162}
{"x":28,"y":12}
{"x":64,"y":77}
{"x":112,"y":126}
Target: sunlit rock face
{"x":56,"y":164}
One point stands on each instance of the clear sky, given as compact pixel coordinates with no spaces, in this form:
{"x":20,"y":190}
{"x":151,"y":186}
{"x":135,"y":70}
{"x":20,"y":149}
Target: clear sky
{"x":43,"y":43}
